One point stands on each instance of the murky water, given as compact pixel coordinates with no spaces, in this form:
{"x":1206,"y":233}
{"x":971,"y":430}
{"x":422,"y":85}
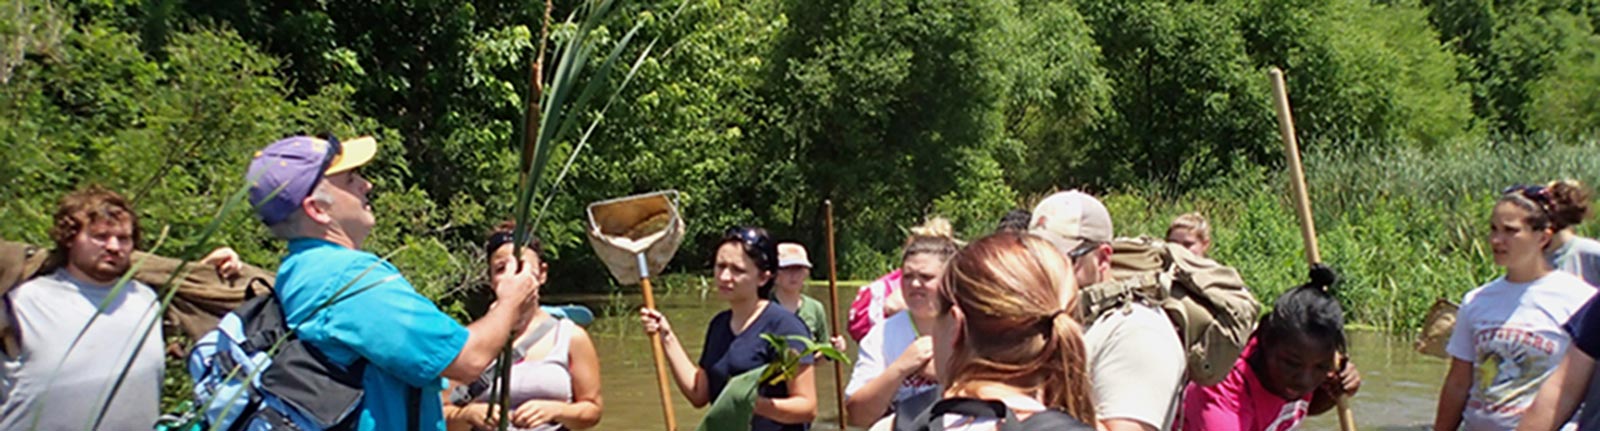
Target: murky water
{"x":1398,"y":392}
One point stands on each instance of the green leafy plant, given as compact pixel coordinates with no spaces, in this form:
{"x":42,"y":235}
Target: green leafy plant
{"x":787,"y":364}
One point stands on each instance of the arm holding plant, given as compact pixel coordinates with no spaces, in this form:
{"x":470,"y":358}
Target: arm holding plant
{"x":793,"y":366}
{"x":691,"y":379}
{"x":801,"y":404}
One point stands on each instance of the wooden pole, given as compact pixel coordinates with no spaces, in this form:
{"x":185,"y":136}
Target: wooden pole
{"x":833,"y":312}
{"x":1308,"y":229}
{"x":657,"y":351}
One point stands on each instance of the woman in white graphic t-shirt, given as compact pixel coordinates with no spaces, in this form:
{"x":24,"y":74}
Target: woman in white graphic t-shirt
{"x":1508,"y":335}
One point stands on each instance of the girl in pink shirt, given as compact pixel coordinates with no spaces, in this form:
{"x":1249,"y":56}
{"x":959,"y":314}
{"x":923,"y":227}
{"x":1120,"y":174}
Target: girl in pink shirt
{"x":1285,"y":372}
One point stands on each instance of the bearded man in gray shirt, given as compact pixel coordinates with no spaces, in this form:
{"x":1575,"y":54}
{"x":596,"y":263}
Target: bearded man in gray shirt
{"x":50,"y":384}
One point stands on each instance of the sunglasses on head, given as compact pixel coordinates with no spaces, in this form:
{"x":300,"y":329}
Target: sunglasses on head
{"x":747,"y":235}
{"x":497,"y":240}
{"x":1535,"y":193}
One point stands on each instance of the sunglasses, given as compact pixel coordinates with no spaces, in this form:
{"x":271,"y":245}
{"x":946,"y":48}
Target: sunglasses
{"x":1535,"y":193}
{"x":497,"y":240}
{"x":753,"y":238}
{"x":1083,"y":248}
{"x":334,"y":151}
{"x":749,"y":236}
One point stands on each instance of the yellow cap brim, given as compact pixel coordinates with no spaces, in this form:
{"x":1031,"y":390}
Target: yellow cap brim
{"x":357,"y":152}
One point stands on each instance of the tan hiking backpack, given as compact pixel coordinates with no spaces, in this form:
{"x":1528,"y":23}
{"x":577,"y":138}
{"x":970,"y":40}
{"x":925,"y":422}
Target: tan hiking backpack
{"x":1207,"y":302}
{"x":202,"y":297}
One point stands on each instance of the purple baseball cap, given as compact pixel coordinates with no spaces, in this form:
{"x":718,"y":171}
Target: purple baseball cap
{"x":284,"y":173}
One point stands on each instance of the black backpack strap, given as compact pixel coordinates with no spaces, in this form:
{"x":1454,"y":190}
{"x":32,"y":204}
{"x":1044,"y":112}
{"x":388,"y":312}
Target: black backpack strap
{"x":250,"y":287}
{"x":249,"y":410}
{"x":930,"y":420}
{"x":414,"y":410}
{"x":1054,"y":420}
{"x":1049,"y":419}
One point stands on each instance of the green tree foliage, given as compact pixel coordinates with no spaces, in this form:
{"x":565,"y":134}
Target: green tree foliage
{"x":1514,"y":47}
{"x":759,"y":110}
{"x":1191,"y":103}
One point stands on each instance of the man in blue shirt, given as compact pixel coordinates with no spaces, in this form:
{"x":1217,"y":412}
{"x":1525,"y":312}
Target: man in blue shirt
{"x":351,"y":304}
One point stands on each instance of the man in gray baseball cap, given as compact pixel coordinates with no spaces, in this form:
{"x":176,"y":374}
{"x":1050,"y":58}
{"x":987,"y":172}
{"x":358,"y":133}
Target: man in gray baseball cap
{"x":309,"y":191}
{"x":1136,"y":361}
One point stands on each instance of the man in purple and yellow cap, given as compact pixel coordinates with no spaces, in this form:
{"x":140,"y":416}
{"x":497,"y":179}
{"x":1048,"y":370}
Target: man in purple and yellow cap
{"x":309,"y":191}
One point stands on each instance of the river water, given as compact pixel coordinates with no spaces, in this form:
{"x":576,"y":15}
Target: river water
{"x":1398,"y":392}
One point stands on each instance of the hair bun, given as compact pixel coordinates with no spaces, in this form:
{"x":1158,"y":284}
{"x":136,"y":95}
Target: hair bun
{"x":1568,"y":204}
{"x":938,"y":227}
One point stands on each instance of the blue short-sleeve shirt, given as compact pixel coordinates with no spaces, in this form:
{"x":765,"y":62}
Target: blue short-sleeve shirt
{"x":379,"y":316}
{"x":727,"y":354}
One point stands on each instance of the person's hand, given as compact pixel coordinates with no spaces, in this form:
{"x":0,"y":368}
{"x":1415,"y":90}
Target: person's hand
{"x":516,"y":286}
{"x":916,"y":358}
{"x":654,"y":322}
{"x":1345,"y":381}
{"x":535,"y":412}
{"x":479,"y":415}
{"x":225,"y":260}
{"x":838,"y":343}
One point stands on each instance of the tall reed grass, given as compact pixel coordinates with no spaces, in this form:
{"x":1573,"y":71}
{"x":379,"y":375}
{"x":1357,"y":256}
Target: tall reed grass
{"x":1402,"y":226}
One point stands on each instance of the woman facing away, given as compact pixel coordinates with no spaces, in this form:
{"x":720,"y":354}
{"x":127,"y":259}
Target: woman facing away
{"x":734,"y":351}
{"x":1569,"y":206}
{"x":555,"y":378}
{"x":893,"y":370}
{"x":1009,"y":353}
{"x":1571,"y":383}
{"x":1287,"y":369}
{"x":1508,"y":337}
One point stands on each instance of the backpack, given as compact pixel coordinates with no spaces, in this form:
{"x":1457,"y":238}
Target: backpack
{"x":1051,"y":420}
{"x":18,"y":263}
{"x":202,"y":297}
{"x":240,"y":384}
{"x":1207,"y":302}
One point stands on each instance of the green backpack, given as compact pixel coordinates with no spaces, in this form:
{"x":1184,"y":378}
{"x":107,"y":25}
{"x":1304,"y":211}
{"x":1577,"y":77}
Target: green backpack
{"x":1206,"y":301}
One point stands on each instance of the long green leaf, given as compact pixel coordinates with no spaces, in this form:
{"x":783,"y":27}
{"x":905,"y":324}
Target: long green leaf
{"x":210,"y":229}
{"x":583,"y":141}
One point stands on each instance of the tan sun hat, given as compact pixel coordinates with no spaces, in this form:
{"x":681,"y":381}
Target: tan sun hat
{"x":792,"y":254}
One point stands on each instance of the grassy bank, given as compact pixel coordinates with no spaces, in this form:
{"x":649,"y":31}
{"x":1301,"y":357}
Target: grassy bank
{"x":1403,"y":227}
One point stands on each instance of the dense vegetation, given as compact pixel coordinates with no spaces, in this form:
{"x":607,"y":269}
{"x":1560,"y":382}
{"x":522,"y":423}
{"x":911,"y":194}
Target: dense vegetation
{"x":1413,"y":114}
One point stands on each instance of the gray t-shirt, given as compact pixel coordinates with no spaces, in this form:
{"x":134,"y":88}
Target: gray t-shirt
{"x":50,"y":311}
{"x":1136,"y":364}
{"x":1580,"y":257}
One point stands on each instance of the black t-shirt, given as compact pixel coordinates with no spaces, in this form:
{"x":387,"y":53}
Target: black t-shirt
{"x":727,"y":355}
